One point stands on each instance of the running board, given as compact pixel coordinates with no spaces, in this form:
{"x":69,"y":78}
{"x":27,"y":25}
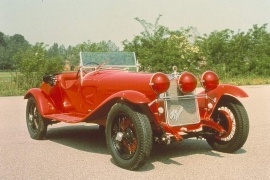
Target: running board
{"x":66,"y":117}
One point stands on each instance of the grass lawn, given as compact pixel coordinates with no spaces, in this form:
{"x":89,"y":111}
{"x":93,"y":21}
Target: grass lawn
{"x":5,"y":74}
{"x":8,"y":87}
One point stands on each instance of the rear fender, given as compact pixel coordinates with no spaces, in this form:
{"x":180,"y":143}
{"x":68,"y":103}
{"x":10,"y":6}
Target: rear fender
{"x":44,"y":104}
{"x":208,"y":105}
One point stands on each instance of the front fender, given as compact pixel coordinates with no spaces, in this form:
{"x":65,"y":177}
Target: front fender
{"x":215,"y":95}
{"x":103,"y":109}
{"x":226,"y":89}
{"x":132,"y":96}
{"x":44,"y":104}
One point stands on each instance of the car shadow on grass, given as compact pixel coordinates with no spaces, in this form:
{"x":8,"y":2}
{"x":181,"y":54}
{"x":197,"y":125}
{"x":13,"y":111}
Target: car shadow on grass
{"x":91,"y":139}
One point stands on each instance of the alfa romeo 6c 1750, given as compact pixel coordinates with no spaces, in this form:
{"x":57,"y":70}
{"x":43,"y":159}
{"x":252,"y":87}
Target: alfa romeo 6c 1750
{"x":137,"y":109}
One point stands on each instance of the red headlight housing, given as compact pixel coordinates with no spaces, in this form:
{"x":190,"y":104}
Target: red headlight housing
{"x":187,"y":82}
{"x":160,"y":83}
{"x":209,"y":80}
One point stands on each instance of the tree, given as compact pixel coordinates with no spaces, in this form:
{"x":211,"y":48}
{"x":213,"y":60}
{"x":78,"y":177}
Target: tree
{"x":159,"y":49}
{"x":103,"y":46}
{"x":34,"y":63}
{"x":236,"y":54}
{"x":2,"y":50}
{"x":2,"y":39}
{"x":259,"y":51}
{"x":14,"y":44}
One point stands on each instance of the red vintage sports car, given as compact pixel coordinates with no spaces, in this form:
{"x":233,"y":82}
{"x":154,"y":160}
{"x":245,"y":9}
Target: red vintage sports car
{"x":137,"y":109}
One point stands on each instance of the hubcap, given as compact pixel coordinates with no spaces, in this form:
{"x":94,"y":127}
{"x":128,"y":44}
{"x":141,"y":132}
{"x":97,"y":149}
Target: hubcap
{"x":124,"y":137}
{"x":227,"y":121}
{"x":33,"y":118}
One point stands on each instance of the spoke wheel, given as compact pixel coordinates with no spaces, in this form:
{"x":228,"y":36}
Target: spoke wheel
{"x":124,"y":137}
{"x":128,"y":136}
{"x":232,"y":116}
{"x":35,"y":123}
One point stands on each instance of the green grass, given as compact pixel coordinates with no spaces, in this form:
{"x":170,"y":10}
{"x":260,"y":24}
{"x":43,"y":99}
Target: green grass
{"x":5,"y":74}
{"x":8,"y":86}
{"x":249,"y":80}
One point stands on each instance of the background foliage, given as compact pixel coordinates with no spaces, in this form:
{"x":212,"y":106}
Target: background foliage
{"x":233,"y":55}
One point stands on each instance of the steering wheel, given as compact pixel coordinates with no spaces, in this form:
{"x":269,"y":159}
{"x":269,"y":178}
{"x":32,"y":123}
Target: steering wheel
{"x":91,"y":62}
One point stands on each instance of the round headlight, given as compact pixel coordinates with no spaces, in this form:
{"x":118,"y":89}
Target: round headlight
{"x":209,"y":80}
{"x":160,"y":83}
{"x":187,"y":82}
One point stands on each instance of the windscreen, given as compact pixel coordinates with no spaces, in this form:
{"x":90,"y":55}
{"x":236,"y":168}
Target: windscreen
{"x":113,"y":59}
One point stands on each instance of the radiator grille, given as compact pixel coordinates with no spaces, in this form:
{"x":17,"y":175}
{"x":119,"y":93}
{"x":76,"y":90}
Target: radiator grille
{"x":180,"y":109}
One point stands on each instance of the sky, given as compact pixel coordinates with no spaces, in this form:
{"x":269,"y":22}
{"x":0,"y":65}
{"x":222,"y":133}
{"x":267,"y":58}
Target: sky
{"x":70,"y":22}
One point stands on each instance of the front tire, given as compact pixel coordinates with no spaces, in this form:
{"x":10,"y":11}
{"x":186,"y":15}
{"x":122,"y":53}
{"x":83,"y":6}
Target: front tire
{"x":232,"y":116}
{"x":128,"y":137}
{"x":35,"y":122}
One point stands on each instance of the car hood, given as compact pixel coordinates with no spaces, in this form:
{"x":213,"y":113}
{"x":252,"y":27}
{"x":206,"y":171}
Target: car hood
{"x":112,"y":81}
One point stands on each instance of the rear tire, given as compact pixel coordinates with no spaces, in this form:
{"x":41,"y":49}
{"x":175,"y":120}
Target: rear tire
{"x":128,"y":137}
{"x":37,"y":128}
{"x":232,"y":116}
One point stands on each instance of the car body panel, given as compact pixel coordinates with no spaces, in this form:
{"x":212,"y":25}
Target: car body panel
{"x":138,"y":108}
{"x":214,"y":97}
{"x":88,"y":95}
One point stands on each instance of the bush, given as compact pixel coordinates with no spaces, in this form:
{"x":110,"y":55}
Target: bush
{"x":34,"y":64}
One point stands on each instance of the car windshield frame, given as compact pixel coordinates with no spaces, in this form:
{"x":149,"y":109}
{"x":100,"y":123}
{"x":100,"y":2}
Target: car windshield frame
{"x":94,"y":61}
{"x":122,"y":60}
